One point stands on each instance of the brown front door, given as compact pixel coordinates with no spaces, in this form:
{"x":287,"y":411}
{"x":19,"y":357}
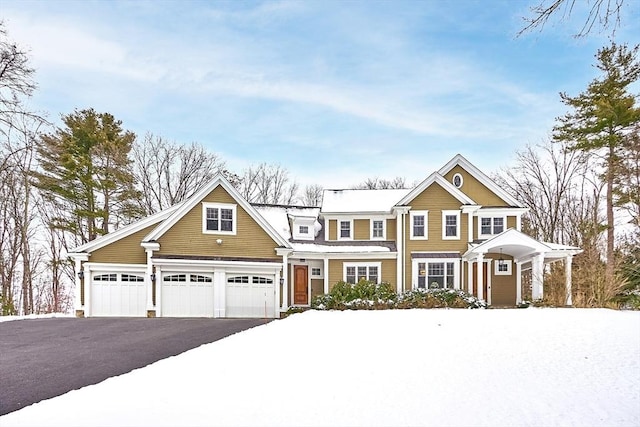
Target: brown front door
{"x":484,"y":280}
{"x":300,"y":282}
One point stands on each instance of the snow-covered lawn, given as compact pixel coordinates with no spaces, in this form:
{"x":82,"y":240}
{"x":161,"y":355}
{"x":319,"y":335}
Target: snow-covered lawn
{"x":535,"y":367}
{"x":34,"y":316}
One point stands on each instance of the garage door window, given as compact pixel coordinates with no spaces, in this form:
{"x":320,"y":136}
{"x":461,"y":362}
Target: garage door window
{"x":106,"y":278}
{"x":176,"y":278}
{"x":198,"y":278}
{"x":238,"y":279}
{"x":257,"y":279}
{"x":132,"y":278}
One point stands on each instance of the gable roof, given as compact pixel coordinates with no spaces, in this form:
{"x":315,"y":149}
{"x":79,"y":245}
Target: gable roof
{"x":437,"y":178}
{"x":460,"y":160}
{"x":125,"y":231}
{"x":361,"y":201}
{"x":190,"y":203}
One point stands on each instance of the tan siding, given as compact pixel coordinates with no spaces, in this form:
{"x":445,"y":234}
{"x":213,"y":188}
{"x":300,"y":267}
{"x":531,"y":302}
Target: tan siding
{"x":388,"y":267}
{"x":473,"y":188}
{"x":124,"y":251}
{"x":511,"y":222}
{"x":317,"y":287}
{"x":186,"y":236}
{"x":361,"y":229}
{"x":333,"y":229}
{"x":391,"y":229}
{"x":435,"y":199}
{"x":503,"y":288}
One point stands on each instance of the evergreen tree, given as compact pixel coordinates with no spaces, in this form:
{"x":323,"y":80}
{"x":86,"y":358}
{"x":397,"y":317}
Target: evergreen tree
{"x":85,"y":168}
{"x":600,"y":119}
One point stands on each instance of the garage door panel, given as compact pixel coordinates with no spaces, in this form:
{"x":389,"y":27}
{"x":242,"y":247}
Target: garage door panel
{"x":250,"y":296}
{"x":118,"y":294}
{"x":187,"y":295}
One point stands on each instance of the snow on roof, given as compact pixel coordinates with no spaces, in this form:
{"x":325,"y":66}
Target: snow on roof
{"x":277,"y":217}
{"x":349,"y":201}
{"x":313,"y":247}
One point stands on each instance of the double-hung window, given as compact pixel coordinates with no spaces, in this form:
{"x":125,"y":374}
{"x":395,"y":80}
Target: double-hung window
{"x":436,"y":275}
{"x":490,"y":226}
{"x":450,"y":225}
{"x":377,"y":229}
{"x":354,"y":272}
{"x":218,"y":218}
{"x":344,"y":231}
{"x":419,"y":221}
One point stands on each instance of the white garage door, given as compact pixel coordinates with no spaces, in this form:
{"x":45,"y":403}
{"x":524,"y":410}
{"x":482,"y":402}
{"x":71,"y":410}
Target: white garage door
{"x":118,"y":294}
{"x":187,"y":295}
{"x":250,"y":296}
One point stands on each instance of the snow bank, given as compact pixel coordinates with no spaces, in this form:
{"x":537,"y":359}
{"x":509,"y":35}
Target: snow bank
{"x":34,"y":316}
{"x":552,"y":367}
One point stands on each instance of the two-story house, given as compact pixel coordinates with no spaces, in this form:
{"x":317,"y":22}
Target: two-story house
{"x":217,"y":255}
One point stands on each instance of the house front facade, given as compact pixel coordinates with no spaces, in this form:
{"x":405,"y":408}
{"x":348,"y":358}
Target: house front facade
{"x":217,"y":255}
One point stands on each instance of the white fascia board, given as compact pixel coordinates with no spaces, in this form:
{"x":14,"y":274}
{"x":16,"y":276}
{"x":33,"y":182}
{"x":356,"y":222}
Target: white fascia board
{"x":510,"y":237}
{"x":103,"y":266}
{"x":197,"y":198}
{"x":283,"y":251}
{"x":436,"y":178}
{"x":357,"y":215}
{"x":189,"y":264}
{"x":470,"y":209}
{"x":125,"y":231}
{"x":506,"y":211}
{"x":460,"y":160}
{"x":79,"y":256}
{"x":345,"y":255}
{"x":154,"y":246}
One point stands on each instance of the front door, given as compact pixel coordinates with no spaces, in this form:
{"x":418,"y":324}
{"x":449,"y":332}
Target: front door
{"x":484,"y":280}
{"x":300,"y":285}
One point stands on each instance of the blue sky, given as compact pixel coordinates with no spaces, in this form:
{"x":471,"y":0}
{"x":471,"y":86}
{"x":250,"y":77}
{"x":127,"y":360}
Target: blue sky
{"x":334,"y":91}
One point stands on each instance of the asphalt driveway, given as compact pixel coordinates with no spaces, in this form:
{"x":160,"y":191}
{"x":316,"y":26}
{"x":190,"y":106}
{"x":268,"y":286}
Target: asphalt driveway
{"x":44,"y":358}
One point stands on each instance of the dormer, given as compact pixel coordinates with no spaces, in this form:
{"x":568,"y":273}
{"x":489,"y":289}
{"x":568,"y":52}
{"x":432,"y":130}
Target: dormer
{"x":304,"y":223}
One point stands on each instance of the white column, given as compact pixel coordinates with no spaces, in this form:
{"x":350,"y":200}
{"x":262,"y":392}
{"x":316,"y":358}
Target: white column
{"x":518,"y":282}
{"x":537,"y":272}
{"x":77,"y":292}
{"x":567,"y":274}
{"x":148,"y":280}
{"x":400,"y":250}
{"x":86,"y":282}
{"x":159,"y":291}
{"x":480,"y":276}
{"x":470,"y":277}
{"x":326,"y":275}
{"x":519,"y":222}
{"x":285,"y":284}
{"x":470,"y":226}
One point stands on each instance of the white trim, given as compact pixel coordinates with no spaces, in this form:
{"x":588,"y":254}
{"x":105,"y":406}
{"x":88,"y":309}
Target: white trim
{"x":438,"y":178}
{"x":346,"y":264}
{"x":345,"y":255}
{"x":413,"y":214}
{"x":219,"y":207}
{"x":506,"y":262}
{"x":298,"y":222}
{"x":455,"y":213}
{"x":488,"y":236}
{"x":339,"y":229}
{"x":459,"y":160}
{"x":384,"y":228}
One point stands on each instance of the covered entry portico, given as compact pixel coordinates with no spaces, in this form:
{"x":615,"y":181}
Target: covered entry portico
{"x":509,"y":254}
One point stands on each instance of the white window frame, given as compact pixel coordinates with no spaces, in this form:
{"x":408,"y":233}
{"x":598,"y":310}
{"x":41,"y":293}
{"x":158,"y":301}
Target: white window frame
{"x":455,"y":213}
{"x":339,"y":228}
{"x":427,"y":261}
{"x":493,"y":233}
{"x":219,"y":206}
{"x":508,"y":263}
{"x":426,"y":225}
{"x":453,"y":180}
{"x":361,"y":264}
{"x":384,"y":228}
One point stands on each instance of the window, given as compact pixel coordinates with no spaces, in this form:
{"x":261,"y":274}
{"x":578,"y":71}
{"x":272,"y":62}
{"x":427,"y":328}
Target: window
{"x":175,"y":278}
{"x":457,"y":180}
{"x":303,"y":229}
{"x":238,"y":279}
{"x":450,"y":225}
{"x":316,"y":271}
{"x":419,"y":220}
{"x":132,"y":278}
{"x":353,"y":273}
{"x":438,"y":275}
{"x":219,"y":218}
{"x":263,"y":280}
{"x":377,"y":229}
{"x":113,"y":277}
{"x":503,"y":268}
{"x":345,"y":230}
{"x":490,"y":226}
{"x":201,"y":279}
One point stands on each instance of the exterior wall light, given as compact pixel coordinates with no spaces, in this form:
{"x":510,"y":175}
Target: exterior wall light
{"x":80,"y":274}
{"x":153,"y":277}
{"x":219,"y":241}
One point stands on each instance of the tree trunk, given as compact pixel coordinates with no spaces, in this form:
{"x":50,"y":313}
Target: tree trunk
{"x":610,"y":223}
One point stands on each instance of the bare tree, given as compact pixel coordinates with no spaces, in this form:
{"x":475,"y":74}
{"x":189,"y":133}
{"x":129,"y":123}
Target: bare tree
{"x":168,"y":173}
{"x":312,"y":195}
{"x":268,"y":184}
{"x":376,"y":183}
{"x":605,"y":13}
